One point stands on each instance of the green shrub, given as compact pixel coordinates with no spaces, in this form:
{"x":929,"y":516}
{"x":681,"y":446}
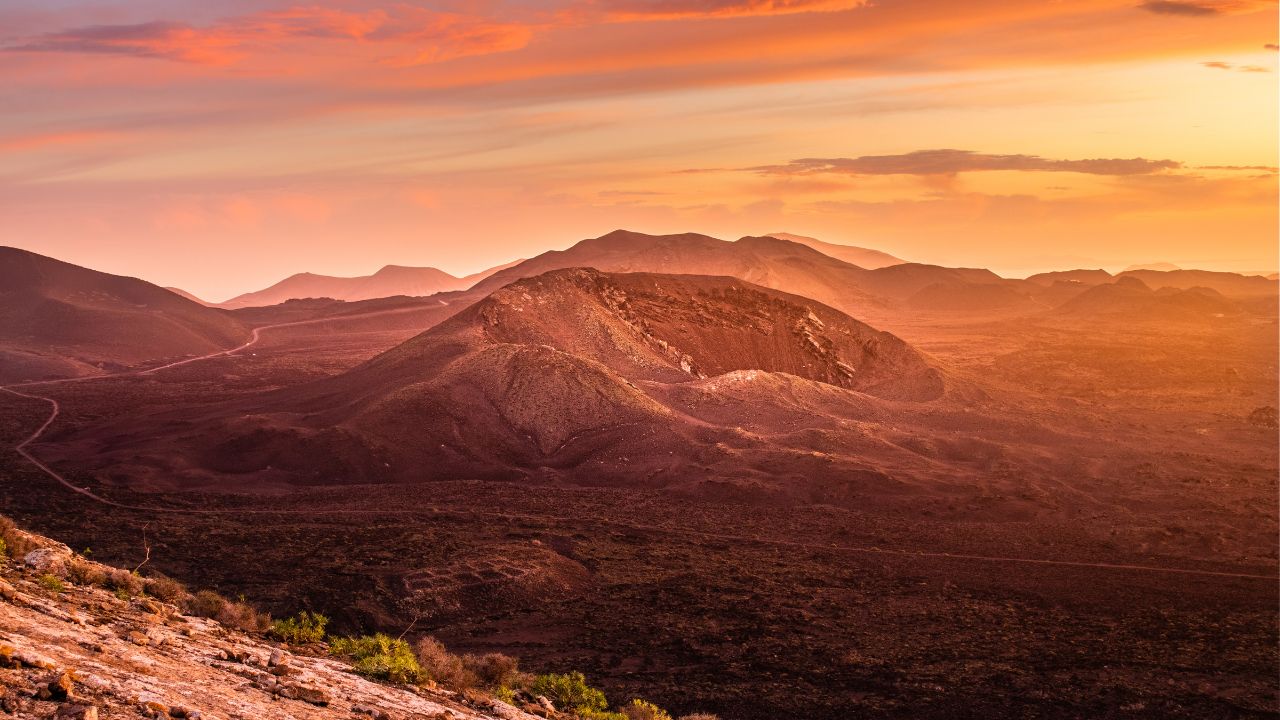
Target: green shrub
{"x":379,"y":656}
{"x":305,"y":627}
{"x":51,"y":583}
{"x":505,"y":694}
{"x":600,"y":715}
{"x":644,"y":710}
{"x":569,"y":692}
{"x":4,"y":549}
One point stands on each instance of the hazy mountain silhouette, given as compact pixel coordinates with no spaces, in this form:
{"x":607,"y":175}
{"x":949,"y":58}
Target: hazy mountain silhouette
{"x":1227,"y":283}
{"x":59,"y":319}
{"x":390,"y":281}
{"x":862,"y":257}
{"x":189,"y":296}
{"x":1130,"y":297}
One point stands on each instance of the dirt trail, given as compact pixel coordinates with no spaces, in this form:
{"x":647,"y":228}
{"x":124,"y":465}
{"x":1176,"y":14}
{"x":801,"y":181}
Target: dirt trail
{"x":21,"y":448}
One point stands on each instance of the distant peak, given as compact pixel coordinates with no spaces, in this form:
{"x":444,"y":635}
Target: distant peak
{"x":1132,"y":282}
{"x":1159,"y":267}
{"x":789,"y":236}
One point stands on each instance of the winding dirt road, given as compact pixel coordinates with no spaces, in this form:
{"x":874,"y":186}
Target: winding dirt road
{"x":22,"y":449}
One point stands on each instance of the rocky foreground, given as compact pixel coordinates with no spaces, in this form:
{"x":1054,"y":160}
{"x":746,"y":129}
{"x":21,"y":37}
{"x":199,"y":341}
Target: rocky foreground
{"x":81,"y":652}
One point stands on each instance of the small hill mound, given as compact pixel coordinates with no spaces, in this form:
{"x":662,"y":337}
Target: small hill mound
{"x":1232,"y":285}
{"x":1084,"y":277}
{"x":1130,"y":297}
{"x":59,"y":319}
{"x":674,"y":328}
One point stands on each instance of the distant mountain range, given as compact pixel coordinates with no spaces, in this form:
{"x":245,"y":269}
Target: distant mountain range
{"x":390,"y":281}
{"x":59,"y":320}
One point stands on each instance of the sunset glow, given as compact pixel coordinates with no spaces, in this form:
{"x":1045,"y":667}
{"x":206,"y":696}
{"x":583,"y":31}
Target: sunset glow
{"x":227,"y":145}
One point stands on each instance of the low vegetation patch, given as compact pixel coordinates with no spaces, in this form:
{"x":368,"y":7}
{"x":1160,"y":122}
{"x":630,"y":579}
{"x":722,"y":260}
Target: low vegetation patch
{"x":380,"y":656}
{"x":51,"y":583}
{"x":164,"y":588}
{"x":305,"y":627}
{"x":443,"y":666}
{"x":644,"y":710}
{"x":15,"y":544}
{"x":570,"y":692}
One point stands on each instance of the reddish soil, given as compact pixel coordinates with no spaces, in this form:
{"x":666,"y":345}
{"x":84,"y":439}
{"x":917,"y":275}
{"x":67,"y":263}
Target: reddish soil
{"x":1083,"y":524}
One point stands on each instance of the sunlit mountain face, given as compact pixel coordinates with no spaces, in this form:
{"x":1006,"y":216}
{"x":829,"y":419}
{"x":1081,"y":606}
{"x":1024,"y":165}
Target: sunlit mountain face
{"x":639,"y":359}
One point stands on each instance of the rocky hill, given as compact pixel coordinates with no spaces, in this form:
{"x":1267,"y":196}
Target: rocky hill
{"x":71,"y":649}
{"x":576,"y":374}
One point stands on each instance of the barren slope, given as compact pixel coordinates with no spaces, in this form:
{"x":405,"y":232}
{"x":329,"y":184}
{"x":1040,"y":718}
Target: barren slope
{"x":58,"y":319}
{"x":568,"y":374}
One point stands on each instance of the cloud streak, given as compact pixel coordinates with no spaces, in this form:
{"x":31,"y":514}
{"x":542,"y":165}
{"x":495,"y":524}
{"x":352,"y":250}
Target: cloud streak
{"x":424,"y":36}
{"x":640,"y":10}
{"x":1219,"y":65}
{"x":1204,"y":8}
{"x":419,"y":36}
{"x":951,"y":162}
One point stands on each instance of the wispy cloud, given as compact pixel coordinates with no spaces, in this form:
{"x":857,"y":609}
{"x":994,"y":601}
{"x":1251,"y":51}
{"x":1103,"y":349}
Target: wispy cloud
{"x":950,"y":162}
{"x":630,"y":10}
{"x":171,"y":41}
{"x":421,"y":36}
{"x":1203,"y":8}
{"x":424,"y":35}
{"x":1219,"y":65}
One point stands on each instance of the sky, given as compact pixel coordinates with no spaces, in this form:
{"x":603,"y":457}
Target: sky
{"x":219,"y":147}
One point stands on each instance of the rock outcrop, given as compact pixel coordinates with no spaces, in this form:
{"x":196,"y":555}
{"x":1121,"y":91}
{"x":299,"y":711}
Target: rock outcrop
{"x":70,"y":651}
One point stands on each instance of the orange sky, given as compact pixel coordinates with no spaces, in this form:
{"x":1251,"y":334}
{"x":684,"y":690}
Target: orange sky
{"x":221,"y":146}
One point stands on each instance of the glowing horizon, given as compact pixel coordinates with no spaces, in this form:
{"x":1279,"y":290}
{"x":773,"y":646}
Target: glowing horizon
{"x":222,"y":150}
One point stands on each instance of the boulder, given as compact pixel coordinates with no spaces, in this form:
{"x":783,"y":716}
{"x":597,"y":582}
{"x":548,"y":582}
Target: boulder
{"x":310,"y":694}
{"x":56,"y":687}
{"x":51,"y":560}
{"x":76,"y":712}
{"x":371,"y":711}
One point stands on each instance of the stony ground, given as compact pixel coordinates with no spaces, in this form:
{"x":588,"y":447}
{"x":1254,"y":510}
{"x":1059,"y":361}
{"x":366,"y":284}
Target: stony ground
{"x":84,"y":653}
